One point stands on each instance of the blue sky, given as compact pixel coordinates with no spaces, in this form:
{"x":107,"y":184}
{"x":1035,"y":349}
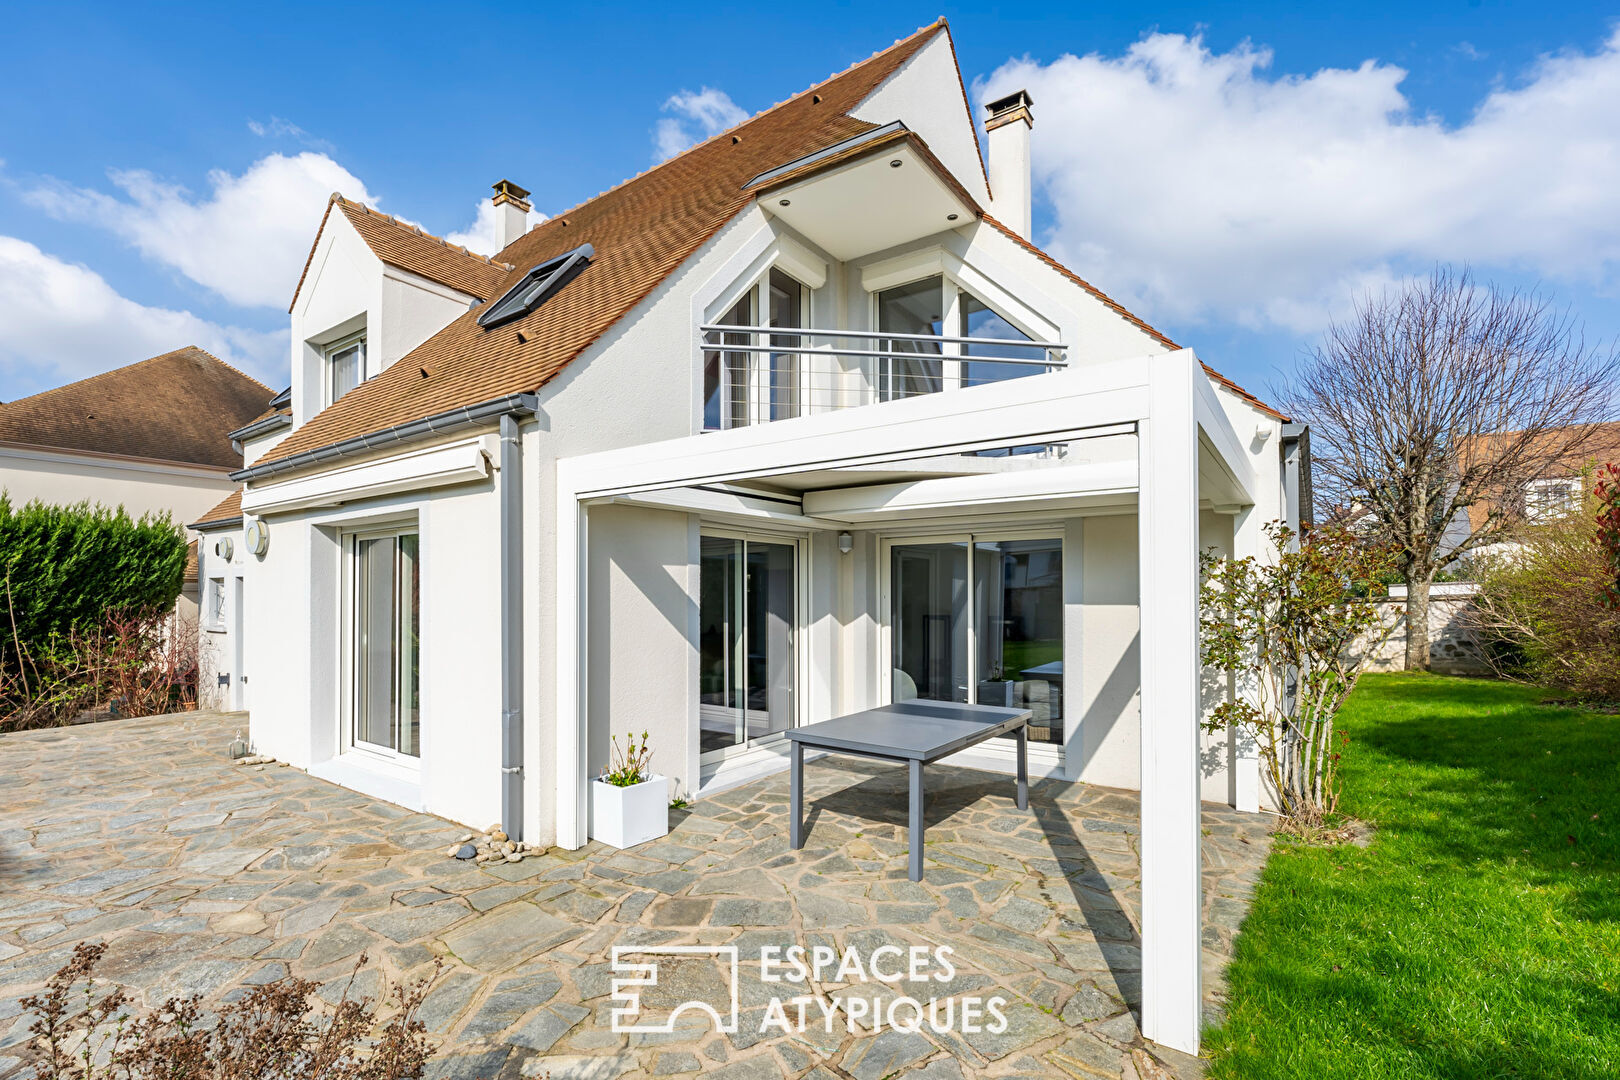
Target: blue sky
{"x":1234,"y":172}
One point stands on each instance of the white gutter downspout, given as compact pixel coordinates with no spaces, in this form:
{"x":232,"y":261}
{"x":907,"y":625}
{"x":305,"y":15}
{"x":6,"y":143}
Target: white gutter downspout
{"x":511,"y":496}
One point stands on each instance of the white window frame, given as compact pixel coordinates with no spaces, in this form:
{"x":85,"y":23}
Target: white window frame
{"x":213,"y":612}
{"x":348,"y":686}
{"x":708,"y":759}
{"x":951,"y":290}
{"x":1553,"y":497}
{"x":759,"y":372}
{"x":887,"y":541}
{"x":329,"y":351}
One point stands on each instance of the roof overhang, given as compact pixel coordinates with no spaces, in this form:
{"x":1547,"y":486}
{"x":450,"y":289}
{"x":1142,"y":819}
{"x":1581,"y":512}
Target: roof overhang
{"x":264,"y":425}
{"x":879,"y":189}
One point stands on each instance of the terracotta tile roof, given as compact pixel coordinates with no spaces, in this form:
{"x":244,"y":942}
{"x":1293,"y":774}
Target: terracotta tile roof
{"x":227,"y":512}
{"x":1121,"y":310}
{"x":409,"y":248}
{"x":191,"y":562}
{"x":174,"y":407}
{"x":642,"y":230}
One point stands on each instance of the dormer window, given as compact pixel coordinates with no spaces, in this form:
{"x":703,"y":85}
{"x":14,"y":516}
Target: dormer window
{"x":536,"y":287}
{"x":345,"y":366}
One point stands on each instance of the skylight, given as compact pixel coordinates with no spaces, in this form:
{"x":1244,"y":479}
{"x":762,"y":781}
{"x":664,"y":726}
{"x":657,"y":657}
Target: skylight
{"x":537,"y":286}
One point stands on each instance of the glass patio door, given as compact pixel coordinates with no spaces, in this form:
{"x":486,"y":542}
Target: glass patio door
{"x":747,"y":615}
{"x":988,"y":631}
{"x":385,"y":644}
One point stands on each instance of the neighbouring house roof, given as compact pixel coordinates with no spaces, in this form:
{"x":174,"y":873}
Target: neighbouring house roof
{"x":409,"y":248}
{"x":191,"y":563}
{"x":641,"y":231}
{"x":174,"y":407}
{"x":227,"y":512}
{"x":1601,"y":447}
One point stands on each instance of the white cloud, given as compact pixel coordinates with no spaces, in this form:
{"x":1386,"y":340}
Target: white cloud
{"x":1200,"y":187}
{"x":694,"y":117}
{"x":246,"y":240}
{"x":277,"y":128}
{"x":484,"y":234}
{"x":64,"y":322}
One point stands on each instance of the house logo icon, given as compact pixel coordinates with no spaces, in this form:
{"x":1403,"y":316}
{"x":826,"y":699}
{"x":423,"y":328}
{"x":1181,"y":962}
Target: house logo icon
{"x":638,"y":969}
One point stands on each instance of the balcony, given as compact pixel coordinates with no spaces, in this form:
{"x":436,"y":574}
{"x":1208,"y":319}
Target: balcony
{"x":754,"y":375}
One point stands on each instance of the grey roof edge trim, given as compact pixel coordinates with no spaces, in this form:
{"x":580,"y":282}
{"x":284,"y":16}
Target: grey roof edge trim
{"x":215,"y":523}
{"x":437,"y":424}
{"x":827,"y":151}
{"x":260,"y":426}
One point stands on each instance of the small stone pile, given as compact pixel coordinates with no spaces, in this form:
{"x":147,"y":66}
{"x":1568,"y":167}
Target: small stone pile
{"x":493,"y":845}
{"x":257,"y":762}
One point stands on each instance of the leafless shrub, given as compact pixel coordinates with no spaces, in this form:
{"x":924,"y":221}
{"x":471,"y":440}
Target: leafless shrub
{"x":129,"y":664}
{"x":277,"y":1031}
{"x":1543,"y":609}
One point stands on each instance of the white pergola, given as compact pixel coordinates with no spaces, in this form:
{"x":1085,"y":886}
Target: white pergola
{"x":1184,"y":442}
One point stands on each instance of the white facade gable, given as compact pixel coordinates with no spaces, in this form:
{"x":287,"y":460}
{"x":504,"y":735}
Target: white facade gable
{"x":926,"y":95}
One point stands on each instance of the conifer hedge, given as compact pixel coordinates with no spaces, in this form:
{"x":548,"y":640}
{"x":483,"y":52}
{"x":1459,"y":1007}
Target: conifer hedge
{"x":64,"y":566}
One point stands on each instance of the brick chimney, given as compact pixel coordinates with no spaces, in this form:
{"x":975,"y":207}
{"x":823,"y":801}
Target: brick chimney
{"x":512,"y":209}
{"x":1007,"y":135}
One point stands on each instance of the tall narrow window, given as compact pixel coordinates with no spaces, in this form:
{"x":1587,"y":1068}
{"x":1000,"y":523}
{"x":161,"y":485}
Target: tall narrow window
{"x":929,"y":623}
{"x":345,"y":366}
{"x":1018,"y":629}
{"x":914,"y":309}
{"x":387,"y":644}
{"x":747,"y":663}
{"x":750,"y":385}
{"x":725,"y":374}
{"x":787,"y":299}
{"x":979,"y":320}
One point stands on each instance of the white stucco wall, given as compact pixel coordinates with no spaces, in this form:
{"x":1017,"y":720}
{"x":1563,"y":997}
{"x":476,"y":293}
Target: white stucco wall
{"x":927,"y":94}
{"x":1110,"y":653}
{"x":642,"y":596}
{"x":183,"y":492}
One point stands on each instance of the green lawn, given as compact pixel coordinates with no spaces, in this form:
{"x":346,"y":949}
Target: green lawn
{"x":1479,"y":935}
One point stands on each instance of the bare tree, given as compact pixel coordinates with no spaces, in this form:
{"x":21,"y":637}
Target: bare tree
{"x":1434,"y":405}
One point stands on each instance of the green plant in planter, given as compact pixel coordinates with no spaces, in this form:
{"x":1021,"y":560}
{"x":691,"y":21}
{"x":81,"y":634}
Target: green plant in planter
{"x":632,"y":764}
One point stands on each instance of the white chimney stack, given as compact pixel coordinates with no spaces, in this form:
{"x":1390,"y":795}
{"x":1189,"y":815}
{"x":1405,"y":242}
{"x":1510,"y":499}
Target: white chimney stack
{"x":1007,"y":132}
{"x":512,"y":211}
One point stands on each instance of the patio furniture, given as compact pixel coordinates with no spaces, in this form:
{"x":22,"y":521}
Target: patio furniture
{"x":916,"y":732}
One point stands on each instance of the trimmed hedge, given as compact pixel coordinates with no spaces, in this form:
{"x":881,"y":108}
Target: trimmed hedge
{"x":67,"y":565}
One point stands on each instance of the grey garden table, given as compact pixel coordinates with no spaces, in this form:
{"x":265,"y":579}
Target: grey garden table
{"x":917,"y":732}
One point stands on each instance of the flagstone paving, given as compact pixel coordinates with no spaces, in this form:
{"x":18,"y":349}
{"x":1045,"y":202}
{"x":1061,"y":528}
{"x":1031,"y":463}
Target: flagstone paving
{"x":204,"y":876}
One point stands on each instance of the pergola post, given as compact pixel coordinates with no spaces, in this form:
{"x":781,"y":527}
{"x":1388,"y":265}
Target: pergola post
{"x":573,"y":553}
{"x":1167,"y":448}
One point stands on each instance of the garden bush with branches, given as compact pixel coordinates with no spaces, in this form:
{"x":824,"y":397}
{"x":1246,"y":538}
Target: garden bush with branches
{"x":1294,"y":636}
{"x":86,"y":615}
{"x":1548,"y":609}
{"x":83,"y":1030}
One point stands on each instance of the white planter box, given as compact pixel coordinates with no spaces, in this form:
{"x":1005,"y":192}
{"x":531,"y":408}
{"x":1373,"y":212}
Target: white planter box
{"x":626,"y":816}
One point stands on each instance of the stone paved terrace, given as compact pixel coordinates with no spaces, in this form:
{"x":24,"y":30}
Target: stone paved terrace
{"x":204,"y":875}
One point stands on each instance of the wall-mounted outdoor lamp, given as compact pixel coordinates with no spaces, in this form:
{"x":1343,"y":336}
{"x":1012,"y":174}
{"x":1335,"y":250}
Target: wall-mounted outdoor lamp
{"x":846,"y":542}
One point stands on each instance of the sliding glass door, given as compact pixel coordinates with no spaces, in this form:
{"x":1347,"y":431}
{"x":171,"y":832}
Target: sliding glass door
{"x":987,"y":630}
{"x":385,"y":644}
{"x":747,"y":641}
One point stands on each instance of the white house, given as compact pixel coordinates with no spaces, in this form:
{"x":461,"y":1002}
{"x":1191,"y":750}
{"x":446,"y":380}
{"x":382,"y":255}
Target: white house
{"x":791,"y":424}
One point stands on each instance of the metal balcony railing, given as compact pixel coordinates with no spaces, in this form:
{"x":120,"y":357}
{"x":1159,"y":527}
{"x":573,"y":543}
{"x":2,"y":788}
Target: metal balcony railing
{"x":753,"y":375}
